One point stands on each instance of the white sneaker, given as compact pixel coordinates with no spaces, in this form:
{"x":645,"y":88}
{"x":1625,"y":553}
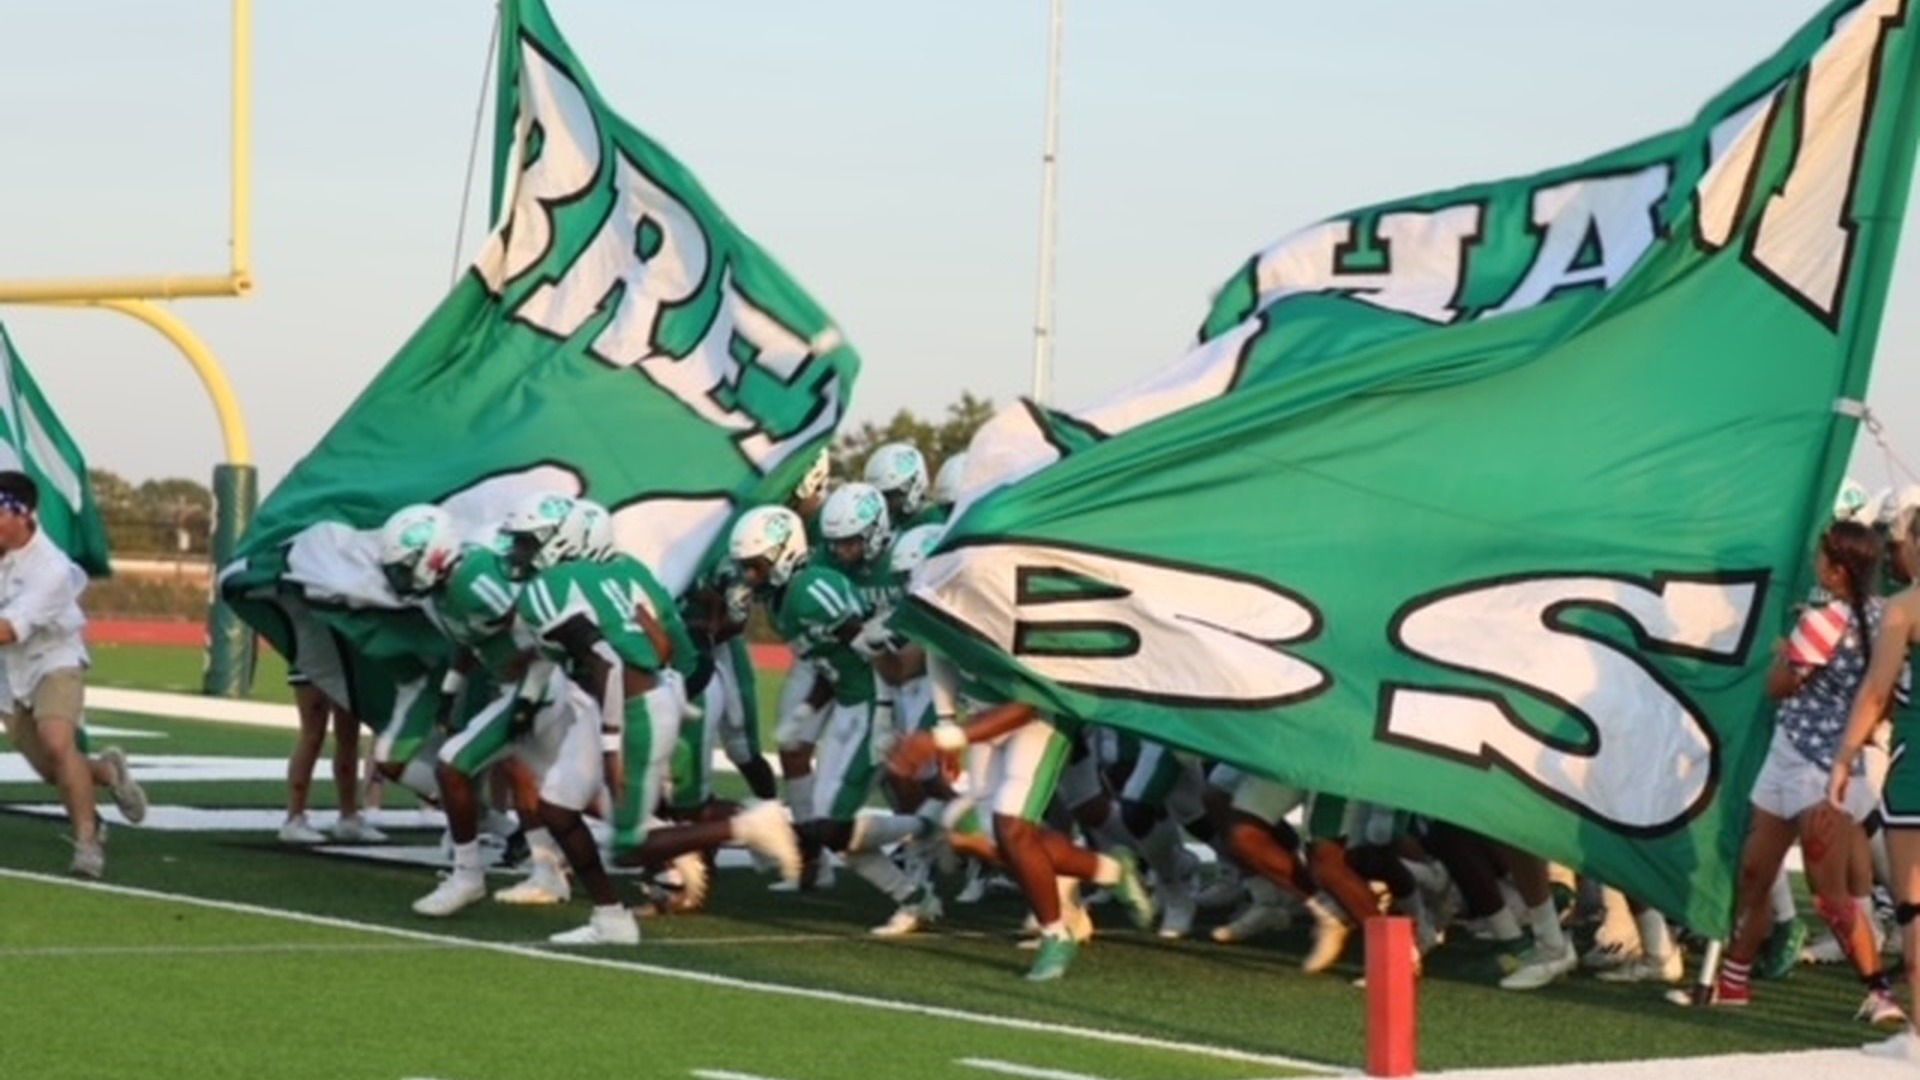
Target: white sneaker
{"x":1255,"y":920}
{"x":1540,"y":966}
{"x":128,"y":795}
{"x":89,"y":860}
{"x":1902,"y":1047}
{"x":604,"y":928}
{"x":297,"y":831}
{"x":1643,"y":968}
{"x":354,"y":829}
{"x":1827,"y":950}
{"x":545,"y":884}
{"x":1177,"y":911}
{"x":455,"y":892}
{"x":912,"y":916}
{"x":1607,"y":955}
{"x":764,"y":830}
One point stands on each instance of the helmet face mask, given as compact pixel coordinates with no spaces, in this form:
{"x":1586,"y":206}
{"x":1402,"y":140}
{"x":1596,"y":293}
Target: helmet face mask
{"x":856,"y":524}
{"x":532,"y":531}
{"x":900,"y":472}
{"x":768,"y":544}
{"x":418,"y":548}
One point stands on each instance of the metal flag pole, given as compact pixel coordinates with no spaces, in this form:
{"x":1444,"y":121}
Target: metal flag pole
{"x":1049,"y":173}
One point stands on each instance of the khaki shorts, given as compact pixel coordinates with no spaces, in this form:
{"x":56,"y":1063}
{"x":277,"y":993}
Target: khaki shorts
{"x":60,"y":695}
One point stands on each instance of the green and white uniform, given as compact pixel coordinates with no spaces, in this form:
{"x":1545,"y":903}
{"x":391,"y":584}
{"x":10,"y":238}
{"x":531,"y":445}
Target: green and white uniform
{"x":812,"y":613}
{"x":606,"y":595}
{"x":472,"y":609}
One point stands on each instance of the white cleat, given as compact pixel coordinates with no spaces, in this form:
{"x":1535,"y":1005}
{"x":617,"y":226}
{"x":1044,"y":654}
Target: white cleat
{"x":912,"y":916}
{"x":1827,"y":950}
{"x":1539,"y":966}
{"x":545,"y":884}
{"x":459,"y":890}
{"x":764,"y":830}
{"x":604,"y":928}
{"x":128,"y":795}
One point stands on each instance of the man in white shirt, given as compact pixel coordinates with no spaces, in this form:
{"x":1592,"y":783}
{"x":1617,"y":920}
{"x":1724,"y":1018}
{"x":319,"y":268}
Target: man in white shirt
{"x":43,"y":655}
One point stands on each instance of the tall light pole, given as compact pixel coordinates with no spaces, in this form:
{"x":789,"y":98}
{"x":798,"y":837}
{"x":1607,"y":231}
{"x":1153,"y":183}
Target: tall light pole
{"x":1049,"y":182}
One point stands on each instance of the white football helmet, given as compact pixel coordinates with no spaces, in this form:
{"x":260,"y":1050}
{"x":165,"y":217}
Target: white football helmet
{"x":946,"y":483}
{"x":900,"y":472}
{"x":913,"y":547}
{"x":814,"y":483}
{"x":418,"y":547}
{"x":858,"y":511}
{"x":1851,"y":502}
{"x":774,"y":534}
{"x":533,"y":534}
{"x":589,"y":528}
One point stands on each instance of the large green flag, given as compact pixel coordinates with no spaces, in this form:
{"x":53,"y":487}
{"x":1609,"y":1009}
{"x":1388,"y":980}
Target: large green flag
{"x":618,"y":338}
{"x":33,"y":440}
{"x":1486,"y":503}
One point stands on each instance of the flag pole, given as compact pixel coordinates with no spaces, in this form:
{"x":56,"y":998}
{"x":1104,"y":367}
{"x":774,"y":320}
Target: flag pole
{"x":1049,"y":173}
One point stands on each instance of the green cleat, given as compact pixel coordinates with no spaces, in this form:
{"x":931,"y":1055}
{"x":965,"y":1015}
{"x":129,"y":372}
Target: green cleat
{"x":1056,"y":953}
{"x":1132,"y":891}
{"x":1782,"y":949}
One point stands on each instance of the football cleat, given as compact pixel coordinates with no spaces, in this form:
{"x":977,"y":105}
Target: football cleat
{"x":127,"y":792}
{"x":458,"y":890}
{"x":609,"y":927}
{"x":545,"y":884}
{"x":1540,"y":966}
{"x":1053,"y":958}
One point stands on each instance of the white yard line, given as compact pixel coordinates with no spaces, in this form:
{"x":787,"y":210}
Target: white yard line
{"x":727,"y":1074}
{"x":1032,"y":1072}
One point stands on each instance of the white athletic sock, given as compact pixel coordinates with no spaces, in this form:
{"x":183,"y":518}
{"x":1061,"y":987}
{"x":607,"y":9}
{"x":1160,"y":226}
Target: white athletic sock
{"x":541,"y":842}
{"x":800,"y":798}
{"x":466,"y":858}
{"x":1656,"y":940}
{"x":881,"y":873}
{"x":1544,"y":921}
{"x":1106,"y":870}
{"x":1503,"y":926}
{"x":420,"y":777}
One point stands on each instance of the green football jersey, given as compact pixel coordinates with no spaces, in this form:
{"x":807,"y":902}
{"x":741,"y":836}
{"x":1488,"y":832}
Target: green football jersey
{"x":606,"y":594}
{"x":809,"y":614}
{"x":474,"y":609}
{"x":666,"y":611}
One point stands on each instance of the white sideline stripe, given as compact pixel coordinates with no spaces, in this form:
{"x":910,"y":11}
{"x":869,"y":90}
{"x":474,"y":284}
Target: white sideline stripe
{"x":1008,"y":1068}
{"x":1120,"y":1038}
{"x":248,"y":713}
{"x":727,"y":1074}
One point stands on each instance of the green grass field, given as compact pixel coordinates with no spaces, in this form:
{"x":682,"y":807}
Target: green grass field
{"x":328,"y":973}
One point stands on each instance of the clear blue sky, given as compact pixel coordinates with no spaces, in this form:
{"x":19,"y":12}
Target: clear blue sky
{"x":887,"y":153}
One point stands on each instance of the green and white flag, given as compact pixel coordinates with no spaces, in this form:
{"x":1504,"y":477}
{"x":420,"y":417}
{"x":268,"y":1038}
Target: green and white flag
{"x":1487,"y":503}
{"x":33,"y":440}
{"x":618,"y":338}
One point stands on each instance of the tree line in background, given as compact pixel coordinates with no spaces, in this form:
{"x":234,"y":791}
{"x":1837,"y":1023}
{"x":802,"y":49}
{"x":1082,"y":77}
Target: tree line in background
{"x":172,"y":519}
